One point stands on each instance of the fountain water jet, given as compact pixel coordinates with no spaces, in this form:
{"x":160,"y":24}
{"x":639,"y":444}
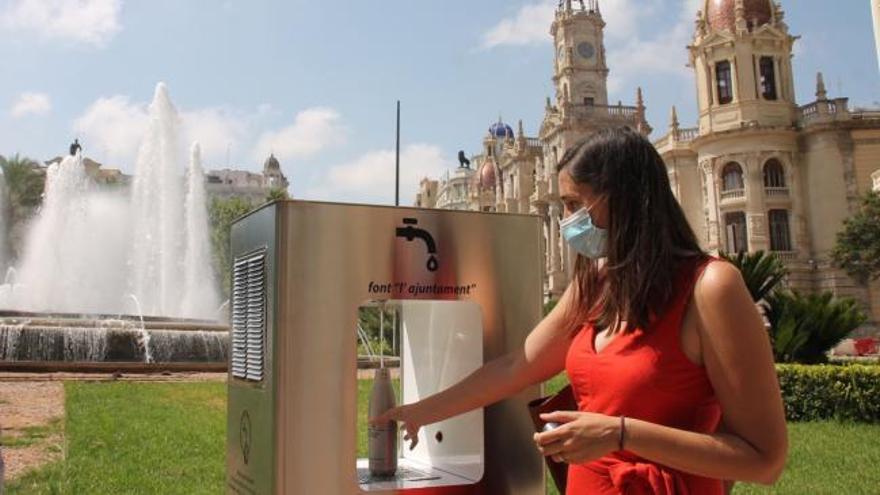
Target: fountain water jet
{"x":4,"y":222}
{"x":199,"y":294}
{"x":72,"y":260}
{"x":157,"y":197}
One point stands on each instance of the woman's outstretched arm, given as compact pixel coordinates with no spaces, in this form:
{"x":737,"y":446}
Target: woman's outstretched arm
{"x":540,"y":358}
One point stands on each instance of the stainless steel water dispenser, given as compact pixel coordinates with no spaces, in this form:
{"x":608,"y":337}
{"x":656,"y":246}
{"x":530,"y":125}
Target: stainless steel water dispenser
{"x":466,"y":287}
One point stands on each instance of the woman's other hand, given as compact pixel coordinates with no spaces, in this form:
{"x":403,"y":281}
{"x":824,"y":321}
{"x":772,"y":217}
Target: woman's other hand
{"x":580,"y":436}
{"x":405,"y":415}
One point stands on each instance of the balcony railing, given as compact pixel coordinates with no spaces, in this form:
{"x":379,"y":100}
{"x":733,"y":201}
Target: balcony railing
{"x":786,"y":256}
{"x":534,"y":143}
{"x":687,"y":135}
{"x":618,"y":113}
{"x":677,"y":136}
{"x":731,"y":194}
{"x":824,"y":110}
{"x":776,"y":191}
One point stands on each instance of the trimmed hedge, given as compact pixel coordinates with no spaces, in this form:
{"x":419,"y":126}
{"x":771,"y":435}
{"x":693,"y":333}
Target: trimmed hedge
{"x":819,"y":392}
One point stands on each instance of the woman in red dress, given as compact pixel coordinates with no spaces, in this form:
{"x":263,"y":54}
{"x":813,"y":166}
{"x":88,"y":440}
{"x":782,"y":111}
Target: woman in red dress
{"x":665,"y":350}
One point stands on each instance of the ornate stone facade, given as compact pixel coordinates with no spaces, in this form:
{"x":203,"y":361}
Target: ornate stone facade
{"x":255,"y":187}
{"x":760,"y":172}
{"x":515,"y":173}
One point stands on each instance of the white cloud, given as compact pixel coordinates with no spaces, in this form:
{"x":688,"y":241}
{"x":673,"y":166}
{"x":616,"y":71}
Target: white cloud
{"x":31,"y":103}
{"x":638,"y":60}
{"x":530,"y":26}
{"x":90,"y":22}
{"x":215,"y":129}
{"x":370,"y":177}
{"x":312,"y":131}
{"x":112,"y":129}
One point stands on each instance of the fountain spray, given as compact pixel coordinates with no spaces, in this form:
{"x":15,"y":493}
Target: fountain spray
{"x":382,"y":438}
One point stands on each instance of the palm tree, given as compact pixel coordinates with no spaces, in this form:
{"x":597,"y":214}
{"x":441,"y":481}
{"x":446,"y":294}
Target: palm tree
{"x":804,"y":327}
{"x":761,"y":271}
{"x":24,"y":187}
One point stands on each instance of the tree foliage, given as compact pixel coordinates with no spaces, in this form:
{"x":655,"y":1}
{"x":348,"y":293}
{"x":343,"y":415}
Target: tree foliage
{"x":276,"y":194}
{"x":370,"y":323}
{"x":857,"y":249}
{"x":762,"y":272}
{"x":222,"y":213}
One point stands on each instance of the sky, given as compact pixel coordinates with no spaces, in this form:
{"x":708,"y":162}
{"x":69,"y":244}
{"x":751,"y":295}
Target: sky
{"x":316,"y":83}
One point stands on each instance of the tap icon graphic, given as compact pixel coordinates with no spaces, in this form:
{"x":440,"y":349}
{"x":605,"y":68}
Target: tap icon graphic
{"x":410,"y":233}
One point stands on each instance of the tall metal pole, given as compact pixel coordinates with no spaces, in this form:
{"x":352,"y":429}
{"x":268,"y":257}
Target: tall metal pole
{"x":397,"y":161}
{"x":875,"y":13}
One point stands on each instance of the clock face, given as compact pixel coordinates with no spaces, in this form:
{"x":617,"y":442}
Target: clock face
{"x":586,"y":50}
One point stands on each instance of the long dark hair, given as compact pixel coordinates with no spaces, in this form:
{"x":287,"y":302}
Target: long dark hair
{"x":648,"y":234}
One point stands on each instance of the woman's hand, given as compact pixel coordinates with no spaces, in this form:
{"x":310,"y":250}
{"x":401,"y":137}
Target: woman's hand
{"x":580,"y":436}
{"x":403,"y":414}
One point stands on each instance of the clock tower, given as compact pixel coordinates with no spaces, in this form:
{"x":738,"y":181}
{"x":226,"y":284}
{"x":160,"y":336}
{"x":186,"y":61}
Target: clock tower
{"x":580,"y":73}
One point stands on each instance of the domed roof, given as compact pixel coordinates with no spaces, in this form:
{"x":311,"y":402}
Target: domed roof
{"x":271,"y":163}
{"x":721,"y":14}
{"x":501,"y":130}
{"x":487,"y":174}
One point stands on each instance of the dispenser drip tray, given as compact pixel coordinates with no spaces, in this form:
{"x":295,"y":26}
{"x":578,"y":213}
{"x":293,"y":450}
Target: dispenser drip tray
{"x":410,"y":474}
{"x":403,"y":474}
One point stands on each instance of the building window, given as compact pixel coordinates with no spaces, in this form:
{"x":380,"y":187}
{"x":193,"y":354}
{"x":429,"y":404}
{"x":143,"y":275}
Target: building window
{"x":737,"y":236}
{"x":780,"y":237}
{"x":768,"y":78}
{"x":724,"y":82}
{"x":732,"y":185}
{"x":774,"y":178}
{"x":589,"y":101}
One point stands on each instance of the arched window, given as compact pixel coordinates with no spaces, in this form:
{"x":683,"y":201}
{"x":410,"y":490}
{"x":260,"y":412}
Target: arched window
{"x":732,"y":178}
{"x":780,"y":236}
{"x":774,"y":175}
{"x":768,"y":78}
{"x":737,"y":235}
{"x":724,"y":81}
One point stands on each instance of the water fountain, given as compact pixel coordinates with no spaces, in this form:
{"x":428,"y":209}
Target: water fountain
{"x":120,"y":277}
{"x":4,"y":222}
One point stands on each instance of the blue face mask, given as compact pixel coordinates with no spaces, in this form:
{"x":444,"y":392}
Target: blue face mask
{"x":584,"y":237}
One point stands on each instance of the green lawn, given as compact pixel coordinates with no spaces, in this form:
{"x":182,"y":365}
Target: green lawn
{"x":127,"y":438}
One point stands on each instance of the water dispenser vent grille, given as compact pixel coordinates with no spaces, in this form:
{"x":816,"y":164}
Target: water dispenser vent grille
{"x":249,"y":316}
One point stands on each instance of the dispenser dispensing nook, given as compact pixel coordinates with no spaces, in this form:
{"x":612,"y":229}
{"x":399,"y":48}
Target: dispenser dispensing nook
{"x":337,"y":308}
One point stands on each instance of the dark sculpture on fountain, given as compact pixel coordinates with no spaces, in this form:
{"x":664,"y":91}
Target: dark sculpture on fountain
{"x":75,"y":147}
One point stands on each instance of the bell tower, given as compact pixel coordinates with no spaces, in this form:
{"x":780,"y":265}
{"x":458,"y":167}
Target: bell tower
{"x":580,"y":72}
{"x":741,"y":55}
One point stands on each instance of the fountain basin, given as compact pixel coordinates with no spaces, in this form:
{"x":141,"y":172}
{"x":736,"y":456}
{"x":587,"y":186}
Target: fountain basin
{"x":107,"y":342}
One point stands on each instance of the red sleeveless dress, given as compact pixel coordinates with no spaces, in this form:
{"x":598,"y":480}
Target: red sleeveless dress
{"x":644,"y":374}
